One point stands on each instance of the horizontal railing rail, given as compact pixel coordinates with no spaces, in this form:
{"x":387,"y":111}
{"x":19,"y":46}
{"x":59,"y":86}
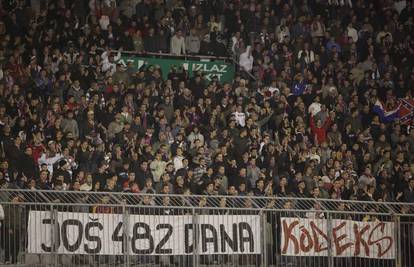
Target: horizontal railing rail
{"x":211,"y":201}
{"x":73,"y":228}
{"x":169,"y":55}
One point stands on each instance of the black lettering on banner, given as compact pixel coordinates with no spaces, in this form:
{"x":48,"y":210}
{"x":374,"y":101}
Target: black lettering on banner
{"x":78,"y":224}
{"x":245,"y":226}
{"x":164,"y":240}
{"x":93,"y":238}
{"x":205,"y":239}
{"x":117,"y":235}
{"x":225,"y":238}
{"x":187,"y":228}
{"x":146,"y":235}
{"x":57,"y":241}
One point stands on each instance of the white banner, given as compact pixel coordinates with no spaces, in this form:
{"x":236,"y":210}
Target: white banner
{"x":89,"y":233}
{"x":309,"y":237}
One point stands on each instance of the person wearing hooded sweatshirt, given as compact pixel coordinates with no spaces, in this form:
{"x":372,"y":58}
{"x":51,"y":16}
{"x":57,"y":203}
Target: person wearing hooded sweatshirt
{"x":192,"y":42}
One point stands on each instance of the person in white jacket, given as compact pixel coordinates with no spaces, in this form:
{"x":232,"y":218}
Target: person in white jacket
{"x":50,"y":157}
{"x":1,"y":214}
{"x":157,"y":167}
{"x":178,"y":159}
{"x":109,"y":60}
{"x":195,"y":135}
{"x":246,"y":59}
{"x":178,"y":43}
{"x":240,"y":116}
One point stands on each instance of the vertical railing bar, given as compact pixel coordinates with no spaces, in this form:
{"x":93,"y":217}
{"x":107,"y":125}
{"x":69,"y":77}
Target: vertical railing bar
{"x":330,"y":254}
{"x":125,"y":236}
{"x":264,"y":239}
{"x":266,"y":215}
{"x":397,"y":233}
{"x":53,"y":217}
{"x":195,"y":237}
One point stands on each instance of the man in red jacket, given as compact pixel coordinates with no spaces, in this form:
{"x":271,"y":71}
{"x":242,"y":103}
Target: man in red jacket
{"x":319,"y":130}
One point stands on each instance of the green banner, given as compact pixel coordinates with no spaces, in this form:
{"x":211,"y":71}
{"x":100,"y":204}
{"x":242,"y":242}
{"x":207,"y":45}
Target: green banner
{"x":224,"y":71}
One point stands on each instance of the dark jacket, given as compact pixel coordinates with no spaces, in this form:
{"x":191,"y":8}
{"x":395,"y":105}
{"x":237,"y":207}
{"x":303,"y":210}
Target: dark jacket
{"x":13,"y":217}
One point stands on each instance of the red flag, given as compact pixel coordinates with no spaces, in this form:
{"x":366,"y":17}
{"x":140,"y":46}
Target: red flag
{"x":406,"y":111}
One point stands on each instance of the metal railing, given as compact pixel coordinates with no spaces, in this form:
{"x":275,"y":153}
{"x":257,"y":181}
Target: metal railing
{"x":168,"y":55}
{"x":63,"y":228}
{"x":182,"y":57}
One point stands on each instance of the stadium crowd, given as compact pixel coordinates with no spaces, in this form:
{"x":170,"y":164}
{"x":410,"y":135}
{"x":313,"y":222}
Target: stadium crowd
{"x":297,"y":120}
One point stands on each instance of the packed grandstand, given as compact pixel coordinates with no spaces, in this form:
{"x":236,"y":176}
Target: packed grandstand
{"x":266,"y":131}
{"x":320,"y":103}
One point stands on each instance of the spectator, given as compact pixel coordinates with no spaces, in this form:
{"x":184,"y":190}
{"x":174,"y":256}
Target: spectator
{"x":246,"y":60}
{"x":409,"y":192}
{"x":304,"y":99}
{"x":192,"y":42}
{"x":150,"y":42}
{"x":157,"y":167}
{"x":1,"y":219}
{"x":137,"y":41}
{"x":12,"y":229}
{"x":178,"y":43}
{"x":108,"y":61}
{"x":70,"y":125}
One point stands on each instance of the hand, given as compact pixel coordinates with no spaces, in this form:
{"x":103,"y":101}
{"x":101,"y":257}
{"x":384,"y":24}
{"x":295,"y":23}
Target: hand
{"x":311,"y":109}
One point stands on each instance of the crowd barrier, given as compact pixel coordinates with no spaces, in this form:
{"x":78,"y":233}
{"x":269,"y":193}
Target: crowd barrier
{"x":222,"y":68}
{"x":59,"y":228}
